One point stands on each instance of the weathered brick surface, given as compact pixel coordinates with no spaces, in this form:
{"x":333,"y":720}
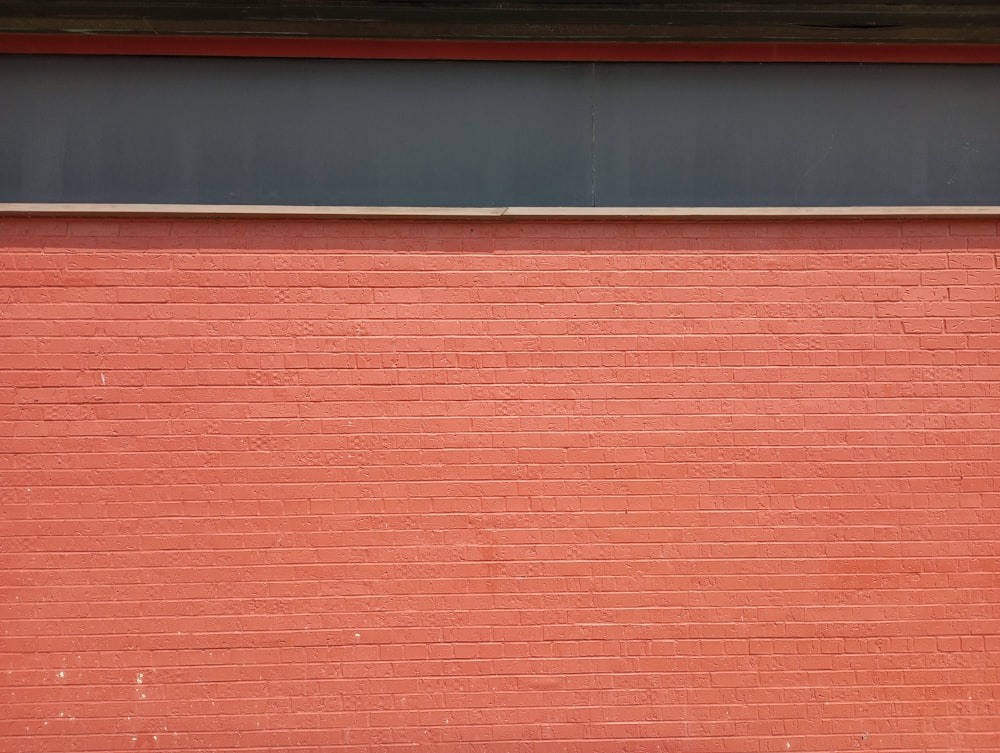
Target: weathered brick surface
{"x":499,"y":486}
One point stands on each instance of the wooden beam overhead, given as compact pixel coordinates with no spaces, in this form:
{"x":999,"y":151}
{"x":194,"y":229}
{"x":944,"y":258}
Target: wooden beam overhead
{"x":920,"y":21}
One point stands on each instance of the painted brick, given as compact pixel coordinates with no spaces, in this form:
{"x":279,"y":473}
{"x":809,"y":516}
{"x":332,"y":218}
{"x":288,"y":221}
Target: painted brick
{"x":499,"y":485}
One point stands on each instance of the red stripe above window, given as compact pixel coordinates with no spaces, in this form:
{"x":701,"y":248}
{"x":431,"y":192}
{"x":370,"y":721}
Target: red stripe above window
{"x":751,"y":52}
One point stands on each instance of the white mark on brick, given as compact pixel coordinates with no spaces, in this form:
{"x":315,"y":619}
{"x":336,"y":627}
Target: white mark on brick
{"x":138,"y":678}
{"x":104,"y":379}
{"x":61,"y":675}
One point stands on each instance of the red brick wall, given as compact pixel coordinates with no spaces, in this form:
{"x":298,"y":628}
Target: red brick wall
{"x":500,"y":486}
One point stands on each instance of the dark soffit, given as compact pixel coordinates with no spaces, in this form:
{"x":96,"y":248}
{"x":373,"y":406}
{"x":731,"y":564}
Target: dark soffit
{"x":968,"y":21}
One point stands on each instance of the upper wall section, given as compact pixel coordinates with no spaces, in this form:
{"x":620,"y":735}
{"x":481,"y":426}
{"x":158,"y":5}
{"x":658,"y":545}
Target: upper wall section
{"x":615,"y":20}
{"x":463,"y":133}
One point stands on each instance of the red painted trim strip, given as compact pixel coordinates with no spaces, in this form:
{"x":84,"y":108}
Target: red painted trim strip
{"x":750,"y":52}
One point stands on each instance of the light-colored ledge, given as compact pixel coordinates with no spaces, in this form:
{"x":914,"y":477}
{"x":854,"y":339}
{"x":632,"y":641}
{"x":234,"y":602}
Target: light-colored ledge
{"x":695,"y":213}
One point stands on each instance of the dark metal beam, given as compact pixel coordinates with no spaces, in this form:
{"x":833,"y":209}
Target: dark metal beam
{"x":921,"y":21}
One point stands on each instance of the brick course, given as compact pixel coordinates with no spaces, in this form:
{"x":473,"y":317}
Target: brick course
{"x":499,"y":485}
